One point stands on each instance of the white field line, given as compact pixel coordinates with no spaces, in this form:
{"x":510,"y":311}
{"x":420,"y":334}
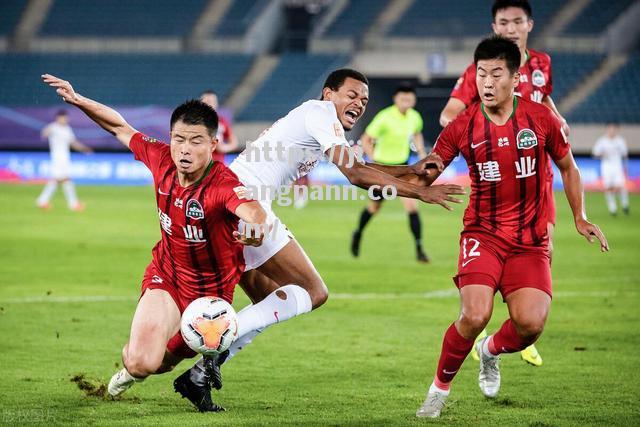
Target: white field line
{"x":442,"y":294}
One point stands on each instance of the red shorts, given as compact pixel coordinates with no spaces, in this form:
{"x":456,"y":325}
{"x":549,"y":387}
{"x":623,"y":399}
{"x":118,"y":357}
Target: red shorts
{"x":486,"y":259}
{"x":551,"y":202}
{"x":153,"y":279}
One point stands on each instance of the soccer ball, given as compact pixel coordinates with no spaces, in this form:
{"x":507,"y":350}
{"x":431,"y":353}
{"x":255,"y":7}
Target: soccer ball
{"x":209,"y":325}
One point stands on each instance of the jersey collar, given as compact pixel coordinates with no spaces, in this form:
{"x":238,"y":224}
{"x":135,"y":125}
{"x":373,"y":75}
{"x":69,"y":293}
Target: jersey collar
{"x":515,"y":105}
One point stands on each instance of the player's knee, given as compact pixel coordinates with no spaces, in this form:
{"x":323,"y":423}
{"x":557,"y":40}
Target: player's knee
{"x":475,"y":321}
{"x":529,"y":329}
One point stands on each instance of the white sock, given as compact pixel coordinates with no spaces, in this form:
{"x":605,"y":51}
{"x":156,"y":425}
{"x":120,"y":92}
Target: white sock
{"x":624,"y":198}
{"x":70,"y":194}
{"x":254,"y":318}
{"x":126,"y":377}
{"x":47,"y":192}
{"x":435,"y":389}
{"x":485,"y":347}
{"x":611,"y":201}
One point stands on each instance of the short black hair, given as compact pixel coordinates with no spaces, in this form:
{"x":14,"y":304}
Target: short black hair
{"x":61,"y":113}
{"x":196,"y":112}
{"x":496,"y":47}
{"x":404,"y":88}
{"x":503,"y":4}
{"x":336,"y":79}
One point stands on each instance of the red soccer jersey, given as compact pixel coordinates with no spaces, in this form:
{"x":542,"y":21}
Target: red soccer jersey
{"x":535,"y":80}
{"x":508,"y":194}
{"x":197,"y":250}
{"x":224,"y":137}
{"x":535,"y":84}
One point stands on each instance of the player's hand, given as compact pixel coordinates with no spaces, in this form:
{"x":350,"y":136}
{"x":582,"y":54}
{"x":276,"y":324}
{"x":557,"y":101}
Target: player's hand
{"x":64,"y":88}
{"x":430,"y":165}
{"x":252,"y":234}
{"x":589,"y":231}
{"x":441,"y":194}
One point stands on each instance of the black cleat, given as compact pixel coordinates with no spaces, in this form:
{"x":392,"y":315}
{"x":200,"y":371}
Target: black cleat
{"x":421,"y":256}
{"x":200,"y":396}
{"x":355,"y":243}
{"x":212,"y":369}
{"x":626,"y":211}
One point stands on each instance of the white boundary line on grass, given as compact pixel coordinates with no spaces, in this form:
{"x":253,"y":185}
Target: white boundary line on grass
{"x":442,"y":294}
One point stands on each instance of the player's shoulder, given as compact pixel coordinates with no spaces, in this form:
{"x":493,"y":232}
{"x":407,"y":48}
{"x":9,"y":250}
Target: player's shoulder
{"x":315,"y":106}
{"x":542,"y":58}
{"x":461,"y":123}
{"x":534,"y":108}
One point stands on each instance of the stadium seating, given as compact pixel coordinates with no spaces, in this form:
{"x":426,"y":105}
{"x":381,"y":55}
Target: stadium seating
{"x":10,"y":12}
{"x":121,"y":79}
{"x":595,"y":18}
{"x":297,"y":77}
{"x":455,"y":18}
{"x":617,"y":100}
{"x":569,"y":69}
{"x":239,"y":17}
{"x":354,"y":19}
{"x":122,"y":18}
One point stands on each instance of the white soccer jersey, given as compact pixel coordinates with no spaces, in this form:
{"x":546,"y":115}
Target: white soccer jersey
{"x":291,"y":147}
{"x":60,"y":139}
{"x":611,"y":151}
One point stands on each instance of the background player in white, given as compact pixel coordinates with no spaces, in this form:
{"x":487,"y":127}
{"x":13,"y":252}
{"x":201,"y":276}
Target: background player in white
{"x":611,"y":149}
{"x":280,"y":279}
{"x":61,"y":140}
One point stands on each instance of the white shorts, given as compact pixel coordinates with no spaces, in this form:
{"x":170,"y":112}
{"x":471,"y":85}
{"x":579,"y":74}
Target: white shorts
{"x":613,"y":178}
{"x":278,"y":237}
{"x":60,"y":170}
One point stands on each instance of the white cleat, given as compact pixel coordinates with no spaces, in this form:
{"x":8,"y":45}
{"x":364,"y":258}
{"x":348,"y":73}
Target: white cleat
{"x":489,"y":377}
{"x":120,"y":382}
{"x":432,"y":405}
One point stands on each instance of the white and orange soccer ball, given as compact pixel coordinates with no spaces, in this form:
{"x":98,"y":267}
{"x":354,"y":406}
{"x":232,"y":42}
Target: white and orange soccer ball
{"x":209,"y":325}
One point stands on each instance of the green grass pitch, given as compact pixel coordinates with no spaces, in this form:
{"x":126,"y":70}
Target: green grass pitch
{"x":69,"y":283}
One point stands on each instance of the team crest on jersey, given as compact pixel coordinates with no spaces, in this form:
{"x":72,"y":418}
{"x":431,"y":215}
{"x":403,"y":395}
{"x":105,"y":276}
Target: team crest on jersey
{"x":194,"y":209}
{"x":149,"y":139}
{"x":526,"y":139}
{"x":537,"y":78}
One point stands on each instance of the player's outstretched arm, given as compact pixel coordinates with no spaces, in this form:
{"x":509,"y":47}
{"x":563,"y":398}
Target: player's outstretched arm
{"x":365,"y":176}
{"x":108,"y":118}
{"x":429,"y":167}
{"x":451,"y":110}
{"x":256,"y":226}
{"x":575,"y":195}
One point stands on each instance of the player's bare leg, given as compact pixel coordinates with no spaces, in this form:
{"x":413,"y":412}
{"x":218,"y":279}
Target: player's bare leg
{"x":476,"y":306}
{"x":285,"y":286}
{"x":373,"y":207}
{"x":528,"y":311}
{"x":155,"y":321}
{"x":411,"y":208}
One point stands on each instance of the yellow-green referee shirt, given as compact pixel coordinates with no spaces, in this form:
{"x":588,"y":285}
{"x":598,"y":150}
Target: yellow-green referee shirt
{"x":393,"y":132}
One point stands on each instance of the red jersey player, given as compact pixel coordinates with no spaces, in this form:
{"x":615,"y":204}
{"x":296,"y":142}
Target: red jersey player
{"x":198,"y":255}
{"x":227,"y":141}
{"x":504,"y":244}
{"x":512,"y":20}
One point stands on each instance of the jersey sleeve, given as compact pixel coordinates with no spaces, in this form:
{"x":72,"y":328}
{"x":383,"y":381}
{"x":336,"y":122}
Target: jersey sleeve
{"x":376,"y":127}
{"x":548,"y":87}
{"x":446,"y":145}
{"x":233,"y":194}
{"x":323,"y":125}
{"x":624,"y":150}
{"x":597,"y":149}
{"x":465,"y":89}
{"x":150,"y":151}
{"x":557,"y":144}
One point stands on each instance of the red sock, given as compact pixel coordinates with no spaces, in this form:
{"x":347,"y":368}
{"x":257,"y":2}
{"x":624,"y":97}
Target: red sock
{"x":178,"y":347}
{"x":507,"y":340}
{"x":455,"y":349}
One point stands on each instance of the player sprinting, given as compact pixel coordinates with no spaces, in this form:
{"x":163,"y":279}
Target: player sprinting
{"x":512,"y":19}
{"x":199,"y":207}
{"x":227,"y":140}
{"x":281,"y":280}
{"x":504,"y":245}
{"x":392,"y":131}
{"x":611,"y":149}
{"x":61,"y":139}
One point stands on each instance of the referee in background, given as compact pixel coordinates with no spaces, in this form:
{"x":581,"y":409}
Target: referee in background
{"x":387,"y":140}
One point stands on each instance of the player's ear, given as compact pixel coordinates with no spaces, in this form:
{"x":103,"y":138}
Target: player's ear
{"x":214,"y":143}
{"x":530,"y":24}
{"x":516,"y":79}
{"x":326,"y":93}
